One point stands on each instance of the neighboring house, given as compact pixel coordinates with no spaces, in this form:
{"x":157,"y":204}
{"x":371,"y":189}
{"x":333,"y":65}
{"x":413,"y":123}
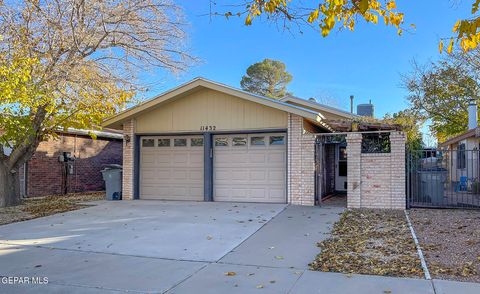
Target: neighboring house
{"x":70,"y":162}
{"x":463,"y":150}
{"x":205,"y":141}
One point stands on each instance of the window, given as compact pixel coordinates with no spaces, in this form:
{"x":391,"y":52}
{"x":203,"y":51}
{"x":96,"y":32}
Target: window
{"x":277,"y":140}
{"x":221,"y":142}
{"x":342,"y":153}
{"x":163,"y":142}
{"x":239,"y":141}
{"x":180,"y":142}
{"x":257,"y":141}
{"x":196,"y":142}
{"x":461,"y":158}
{"x":376,"y":143}
{"x":148,"y":142}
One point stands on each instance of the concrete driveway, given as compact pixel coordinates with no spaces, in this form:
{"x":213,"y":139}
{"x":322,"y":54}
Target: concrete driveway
{"x":183,"y":247}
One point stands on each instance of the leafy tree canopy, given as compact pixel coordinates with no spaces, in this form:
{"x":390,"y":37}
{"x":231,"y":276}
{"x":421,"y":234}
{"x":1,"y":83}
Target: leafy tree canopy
{"x":442,"y":91}
{"x":411,"y":122}
{"x":268,"y":78}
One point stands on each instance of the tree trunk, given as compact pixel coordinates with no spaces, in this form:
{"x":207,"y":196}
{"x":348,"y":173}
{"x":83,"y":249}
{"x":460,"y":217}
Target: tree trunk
{"x":9,"y":186}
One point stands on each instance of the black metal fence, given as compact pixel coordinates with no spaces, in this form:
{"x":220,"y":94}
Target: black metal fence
{"x":443,"y":178}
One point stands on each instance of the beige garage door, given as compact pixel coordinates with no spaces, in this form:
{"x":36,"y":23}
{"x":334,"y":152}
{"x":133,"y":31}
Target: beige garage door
{"x":250,"y":168}
{"x":171,"y":168}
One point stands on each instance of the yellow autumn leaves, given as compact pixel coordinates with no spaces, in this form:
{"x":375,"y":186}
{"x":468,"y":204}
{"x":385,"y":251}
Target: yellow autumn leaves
{"x":344,"y":13}
{"x":467,"y":31}
{"x":331,"y":12}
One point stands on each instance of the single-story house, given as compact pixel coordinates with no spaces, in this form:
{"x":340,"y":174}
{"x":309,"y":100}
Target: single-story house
{"x":70,"y":162}
{"x":462,"y":151}
{"x":206,"y":141}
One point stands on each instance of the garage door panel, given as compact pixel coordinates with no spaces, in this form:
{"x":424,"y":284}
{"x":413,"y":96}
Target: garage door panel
{"x":257,"y":158}
{"x":240,"y":174}
{"x":162,"y":175}
{"x":258,"y":175}
{"x":222,"y":174}
{"x":258,"y":193}
{"x":171,"y":172}
{"x":276,"y":157}
{"x":154,"y":192}
{"x":276,"y":175}
{"x":275,"y":193}
{"x":161,"y":158}
{"x":179,"y":175}
{"x":196,"y":176}
{"x":250,"y":173}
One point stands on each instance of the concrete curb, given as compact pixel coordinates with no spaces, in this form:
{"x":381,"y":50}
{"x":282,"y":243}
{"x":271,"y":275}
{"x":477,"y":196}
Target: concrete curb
{"x":419,"y":249}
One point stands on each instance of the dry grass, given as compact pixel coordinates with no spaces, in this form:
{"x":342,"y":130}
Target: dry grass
{"x":38,"y":207}
{"x":367,"y":241}
{"x":450,"y":240}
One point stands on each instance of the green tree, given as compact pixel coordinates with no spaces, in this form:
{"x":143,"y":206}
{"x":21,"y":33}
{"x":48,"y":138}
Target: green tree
{"x":268,"y":78}
{"x":70,"y":64}
{"x":442,"y":91}
{"x":411,"y":122}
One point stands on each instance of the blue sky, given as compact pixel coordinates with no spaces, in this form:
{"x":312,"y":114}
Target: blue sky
{"x":367,"y":63}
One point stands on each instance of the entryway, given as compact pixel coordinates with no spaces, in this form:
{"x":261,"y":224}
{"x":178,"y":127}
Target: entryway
{"x":331,"y":168}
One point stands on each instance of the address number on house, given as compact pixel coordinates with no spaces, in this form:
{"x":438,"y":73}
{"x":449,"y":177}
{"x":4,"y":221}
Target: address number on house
{"x":208,"y":128}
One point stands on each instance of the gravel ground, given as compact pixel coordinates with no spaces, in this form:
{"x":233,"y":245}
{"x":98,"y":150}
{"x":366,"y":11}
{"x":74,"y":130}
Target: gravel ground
{"x":368,"y":241}
{"x":43,"y":206}
{"x":450,"y":241}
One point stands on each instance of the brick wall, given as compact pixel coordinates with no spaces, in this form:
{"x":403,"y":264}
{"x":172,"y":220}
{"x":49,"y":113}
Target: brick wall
{"x":128,"y":157}
{"x":376,"y":180}
{"x":301,"y":163}
{"x":47,"y":176}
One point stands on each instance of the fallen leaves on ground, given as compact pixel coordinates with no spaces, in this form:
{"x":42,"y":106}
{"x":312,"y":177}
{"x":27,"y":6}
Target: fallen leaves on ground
{"x":450,"y":241}
{"x":369,"y":241}
{"x":38,"y":207}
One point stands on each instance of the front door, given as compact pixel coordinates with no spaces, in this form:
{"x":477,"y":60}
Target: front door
{"x":341,"y":168}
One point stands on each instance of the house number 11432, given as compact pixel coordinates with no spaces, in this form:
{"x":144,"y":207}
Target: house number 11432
{"x":208,"y":128}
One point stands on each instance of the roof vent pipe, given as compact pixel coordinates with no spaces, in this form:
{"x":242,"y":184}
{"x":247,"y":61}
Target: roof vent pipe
{"x":351,"y":103}
{"x":472,"y":114}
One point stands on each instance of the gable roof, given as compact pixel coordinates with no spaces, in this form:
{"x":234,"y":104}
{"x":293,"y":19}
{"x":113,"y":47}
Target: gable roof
{"x":319,"y":107}
{"x":198,"y":83}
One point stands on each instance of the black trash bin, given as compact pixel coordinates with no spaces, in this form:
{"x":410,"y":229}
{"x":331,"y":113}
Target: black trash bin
{"x":112,"y":175}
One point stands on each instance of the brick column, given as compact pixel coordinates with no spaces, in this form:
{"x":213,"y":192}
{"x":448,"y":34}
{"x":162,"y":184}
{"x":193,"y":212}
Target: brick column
{"x":354,"y":178}
{"x":128,"y":158}
{"x":397,"y":157}
{"x":294,"y":157}
{"x":301,"y":163}
{"x":308,"y":170}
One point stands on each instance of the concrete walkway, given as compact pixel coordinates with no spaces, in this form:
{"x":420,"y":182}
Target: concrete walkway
{"x":184,"y":247}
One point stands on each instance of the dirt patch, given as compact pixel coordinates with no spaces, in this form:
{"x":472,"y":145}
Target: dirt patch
{"x":450,"y":241}
{"x":38,"y":207}
{"x":368,"y":241}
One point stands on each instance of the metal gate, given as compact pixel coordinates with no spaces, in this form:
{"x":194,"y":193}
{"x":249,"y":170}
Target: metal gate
{"x":443,"y":178}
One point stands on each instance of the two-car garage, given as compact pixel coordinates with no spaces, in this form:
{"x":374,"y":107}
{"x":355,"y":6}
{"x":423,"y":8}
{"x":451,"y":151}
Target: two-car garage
{"x":205,"y":141}
{"x":245,"y":167}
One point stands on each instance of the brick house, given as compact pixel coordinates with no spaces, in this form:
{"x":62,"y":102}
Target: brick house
{"x":205,"y":141}
{"x":48,"y":173}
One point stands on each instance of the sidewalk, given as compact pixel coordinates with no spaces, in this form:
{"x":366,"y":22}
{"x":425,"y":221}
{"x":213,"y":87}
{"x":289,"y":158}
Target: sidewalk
{"x":250,"y":279}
